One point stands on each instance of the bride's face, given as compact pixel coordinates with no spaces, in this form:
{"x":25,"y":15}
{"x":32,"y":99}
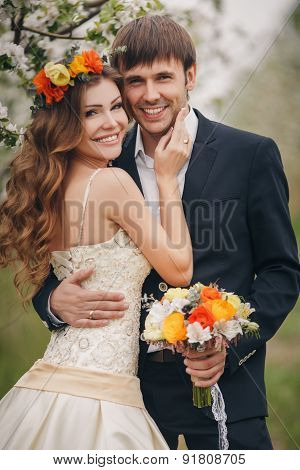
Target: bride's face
{"x":104,"y":122}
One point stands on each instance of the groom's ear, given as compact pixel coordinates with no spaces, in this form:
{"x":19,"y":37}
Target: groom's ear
{"x":191,"y":77}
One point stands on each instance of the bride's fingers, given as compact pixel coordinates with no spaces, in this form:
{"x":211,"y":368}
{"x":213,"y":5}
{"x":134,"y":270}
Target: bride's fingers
{"x":164,"y":140}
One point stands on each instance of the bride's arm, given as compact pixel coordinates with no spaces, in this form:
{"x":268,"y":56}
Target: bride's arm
{"x":167,"y":246}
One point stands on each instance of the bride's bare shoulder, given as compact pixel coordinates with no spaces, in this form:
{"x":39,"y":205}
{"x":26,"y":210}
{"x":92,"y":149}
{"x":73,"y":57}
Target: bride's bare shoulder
{"x":116,"y":182}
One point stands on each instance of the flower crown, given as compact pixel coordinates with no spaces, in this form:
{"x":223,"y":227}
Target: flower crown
{"x":54,"y":79}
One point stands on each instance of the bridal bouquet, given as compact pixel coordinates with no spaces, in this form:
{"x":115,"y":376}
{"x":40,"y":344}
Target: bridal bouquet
{"x":197,"y":318}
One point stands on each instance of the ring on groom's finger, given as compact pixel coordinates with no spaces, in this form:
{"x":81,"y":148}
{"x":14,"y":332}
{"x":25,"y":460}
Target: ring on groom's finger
{"x":186,"y":141}
{"x":91,"y":315}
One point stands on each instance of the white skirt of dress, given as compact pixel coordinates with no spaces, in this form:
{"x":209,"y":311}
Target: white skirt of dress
{"x":43,"y":419}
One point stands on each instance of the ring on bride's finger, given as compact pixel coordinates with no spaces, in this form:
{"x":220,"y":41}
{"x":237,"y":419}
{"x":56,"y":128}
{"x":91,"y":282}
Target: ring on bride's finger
{"x":186,"y":141}
{"x":91,"y":315}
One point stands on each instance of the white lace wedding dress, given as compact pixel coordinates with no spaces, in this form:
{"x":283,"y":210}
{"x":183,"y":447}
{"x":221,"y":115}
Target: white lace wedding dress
{"x":84,"y":392}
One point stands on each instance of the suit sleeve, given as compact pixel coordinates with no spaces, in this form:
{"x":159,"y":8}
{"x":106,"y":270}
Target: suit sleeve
{"x":275,"y":289}
{"x":40,"y":301}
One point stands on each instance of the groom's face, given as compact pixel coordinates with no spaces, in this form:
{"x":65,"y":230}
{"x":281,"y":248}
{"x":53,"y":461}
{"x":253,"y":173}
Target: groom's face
{"x":156,"y":93}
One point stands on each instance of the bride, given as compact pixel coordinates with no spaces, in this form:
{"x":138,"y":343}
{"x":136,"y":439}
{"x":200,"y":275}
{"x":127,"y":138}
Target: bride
{"x":66,"y":208}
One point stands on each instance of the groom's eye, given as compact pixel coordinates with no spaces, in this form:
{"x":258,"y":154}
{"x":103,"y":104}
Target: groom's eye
{"x":134,"y":81}
{"x":164,"y":77}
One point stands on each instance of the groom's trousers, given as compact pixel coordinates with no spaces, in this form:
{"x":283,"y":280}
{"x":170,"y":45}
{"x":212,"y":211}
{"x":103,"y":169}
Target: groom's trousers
{"x":168,"y":399}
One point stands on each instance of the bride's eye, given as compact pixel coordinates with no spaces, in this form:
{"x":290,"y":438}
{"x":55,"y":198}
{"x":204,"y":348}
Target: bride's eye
{"x":89,"y":113}
{"x":118,"y":105}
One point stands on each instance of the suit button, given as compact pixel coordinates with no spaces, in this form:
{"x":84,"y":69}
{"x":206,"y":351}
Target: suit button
{"x":163,"y":287}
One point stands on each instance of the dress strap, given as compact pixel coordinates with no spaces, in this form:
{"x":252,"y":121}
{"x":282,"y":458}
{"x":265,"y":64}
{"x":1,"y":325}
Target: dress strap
{"x":85,"y":200}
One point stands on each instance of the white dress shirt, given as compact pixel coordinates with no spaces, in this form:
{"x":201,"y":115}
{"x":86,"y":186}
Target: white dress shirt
{"x":145,"y":166}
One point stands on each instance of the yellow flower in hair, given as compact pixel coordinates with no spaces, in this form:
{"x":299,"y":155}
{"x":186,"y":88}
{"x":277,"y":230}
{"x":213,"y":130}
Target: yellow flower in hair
{"x":57,"y":73}
{"x":78,"y":66}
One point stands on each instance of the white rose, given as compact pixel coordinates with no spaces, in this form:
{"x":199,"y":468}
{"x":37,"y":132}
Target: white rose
{"x":152,"y":330}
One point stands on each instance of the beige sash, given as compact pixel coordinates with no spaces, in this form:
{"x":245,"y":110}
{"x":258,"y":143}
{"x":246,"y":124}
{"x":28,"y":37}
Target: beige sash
{"x":82,"y":382}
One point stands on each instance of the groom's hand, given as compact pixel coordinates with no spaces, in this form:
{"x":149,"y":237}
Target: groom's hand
{"x":205,"y":367}
{"x":83,"y":308}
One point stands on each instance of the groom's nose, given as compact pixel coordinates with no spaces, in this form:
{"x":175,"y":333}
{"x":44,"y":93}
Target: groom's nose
{"x":151,"y":93}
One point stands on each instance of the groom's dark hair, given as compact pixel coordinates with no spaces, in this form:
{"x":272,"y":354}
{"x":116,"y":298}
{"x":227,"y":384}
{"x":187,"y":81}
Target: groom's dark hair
{"x":151,"y":38}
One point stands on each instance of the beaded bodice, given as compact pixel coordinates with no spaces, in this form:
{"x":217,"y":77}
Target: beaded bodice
{"x":119,"y":266}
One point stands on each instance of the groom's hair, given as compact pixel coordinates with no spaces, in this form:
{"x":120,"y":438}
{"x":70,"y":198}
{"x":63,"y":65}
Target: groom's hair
{"x":151,"y":38}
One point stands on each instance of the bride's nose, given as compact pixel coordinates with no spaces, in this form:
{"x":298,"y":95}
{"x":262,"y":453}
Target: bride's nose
{"x":109,"y":121}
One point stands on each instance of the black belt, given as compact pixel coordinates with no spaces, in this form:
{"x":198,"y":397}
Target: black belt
{"x":164,"y":355}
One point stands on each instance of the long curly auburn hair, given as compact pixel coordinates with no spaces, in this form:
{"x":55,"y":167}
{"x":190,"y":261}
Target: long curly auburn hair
{"x":34,"y":193}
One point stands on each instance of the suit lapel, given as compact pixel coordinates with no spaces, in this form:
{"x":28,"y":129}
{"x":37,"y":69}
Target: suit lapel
{"x":126,"y":160}
{"x":201,"y":161}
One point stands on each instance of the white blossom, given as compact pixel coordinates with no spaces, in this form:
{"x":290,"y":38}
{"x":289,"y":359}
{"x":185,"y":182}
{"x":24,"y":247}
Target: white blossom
{"x":197,"y":334}
{"x":159,"y":312}
{"x":16,"y":53}
{"x":44,"y":16}
{"x":12,"y":127}
{"x":177,"y":304}
{"x":3,"y":111}
{"x":244,"y":310}
{"x":230,"y":329}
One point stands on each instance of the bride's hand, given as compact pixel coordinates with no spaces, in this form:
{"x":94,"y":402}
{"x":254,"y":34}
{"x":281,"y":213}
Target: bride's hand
{"x":173,"y":149}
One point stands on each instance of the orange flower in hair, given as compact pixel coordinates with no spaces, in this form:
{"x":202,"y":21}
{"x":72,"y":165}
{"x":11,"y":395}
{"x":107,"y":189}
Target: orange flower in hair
{"x":77,"y":66}
{"x":92,"y":61}
{"x":43,"y":85}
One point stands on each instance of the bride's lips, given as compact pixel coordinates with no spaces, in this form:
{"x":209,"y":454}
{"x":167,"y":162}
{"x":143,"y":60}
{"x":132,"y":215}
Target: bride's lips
{"x":108,"y":139}
{"x":153,"y":113}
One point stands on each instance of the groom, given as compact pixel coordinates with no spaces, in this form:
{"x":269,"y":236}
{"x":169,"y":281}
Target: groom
{"x":235,"y":196}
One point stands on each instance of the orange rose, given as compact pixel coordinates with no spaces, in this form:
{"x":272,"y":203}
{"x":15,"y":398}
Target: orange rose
{"x":174,"y":328}
{"x":209,"y":293}
{"x":43,"y":85}
{"x":92,"y":61}
{"x":77,"y":66}
{"x":202,"y":316}
{"x":220,"y":309}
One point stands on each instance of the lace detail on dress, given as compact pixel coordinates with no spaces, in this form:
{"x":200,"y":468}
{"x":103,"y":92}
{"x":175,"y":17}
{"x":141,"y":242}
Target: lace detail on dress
{"x":118,"y":266}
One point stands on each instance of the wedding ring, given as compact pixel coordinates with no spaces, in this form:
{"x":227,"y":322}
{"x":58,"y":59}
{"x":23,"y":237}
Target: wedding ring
{"x":91,"y":315}
{"x":186,"y":141}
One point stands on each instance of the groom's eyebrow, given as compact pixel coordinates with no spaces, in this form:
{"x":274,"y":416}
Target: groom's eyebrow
{"x":101,"y":105}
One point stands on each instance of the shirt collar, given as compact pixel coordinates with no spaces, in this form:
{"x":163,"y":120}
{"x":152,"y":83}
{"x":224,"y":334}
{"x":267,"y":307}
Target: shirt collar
{"x":191,"y":122}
